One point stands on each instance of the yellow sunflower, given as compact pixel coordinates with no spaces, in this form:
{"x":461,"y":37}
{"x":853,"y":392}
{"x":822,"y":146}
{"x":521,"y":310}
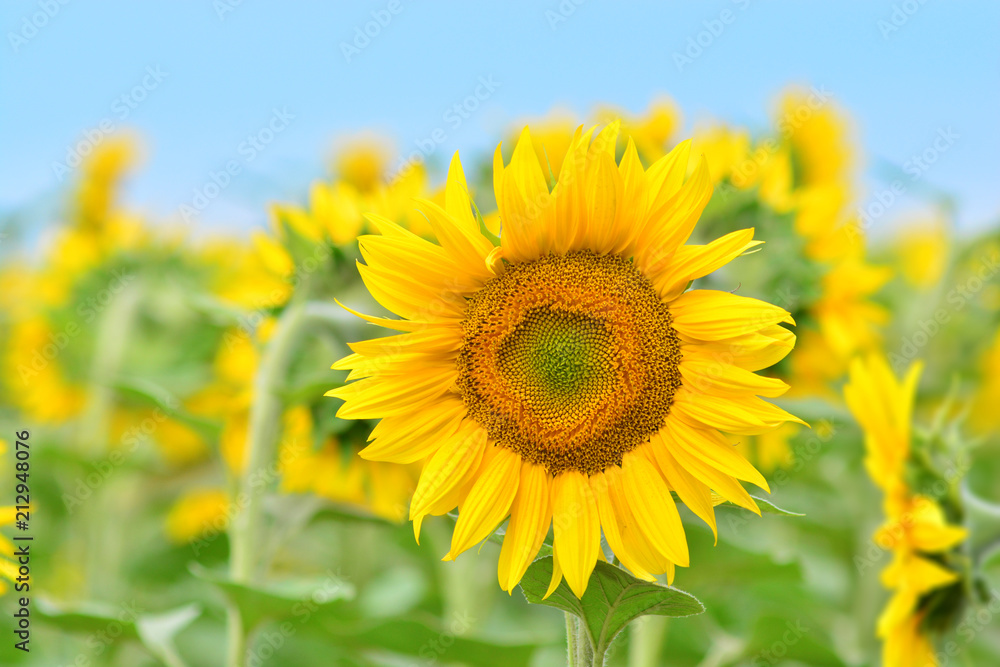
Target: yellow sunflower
{"x":984,"y":416}
{"x":565,"y":377}
{"x":916,"y":529}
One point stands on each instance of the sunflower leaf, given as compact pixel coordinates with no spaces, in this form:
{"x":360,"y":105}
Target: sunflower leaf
{"x":614,"y":598}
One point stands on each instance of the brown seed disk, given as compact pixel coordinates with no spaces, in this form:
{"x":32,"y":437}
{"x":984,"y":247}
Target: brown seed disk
{"x":570,"y":360}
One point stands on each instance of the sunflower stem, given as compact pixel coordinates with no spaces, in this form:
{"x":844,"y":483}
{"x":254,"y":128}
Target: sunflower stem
{"x":114,"y":329}
{"x":579,"y":649}
{"x":983,"y":519}
{"x":646,"y":640}
{"x":245,"y":531}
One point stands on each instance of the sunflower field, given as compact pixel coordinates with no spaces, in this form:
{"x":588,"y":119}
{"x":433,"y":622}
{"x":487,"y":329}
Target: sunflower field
{"x":630,"y":388}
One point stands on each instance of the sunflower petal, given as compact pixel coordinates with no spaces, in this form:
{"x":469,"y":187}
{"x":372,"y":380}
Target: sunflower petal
{"x":577,"y":528}
{"x":654,"y":508}
{"x":488,"y":501}
{"x":530,"y":517}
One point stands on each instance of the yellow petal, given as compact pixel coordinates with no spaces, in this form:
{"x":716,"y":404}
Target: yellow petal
{"x":752,"y":352}
{"x":411,"y":437}
{"x":383,"y":397}
{"x":746,"y":415}
{"x":525,"y":204}
{"x":713,"y":315}
{"x":654,"y":509}
{"x":488,"y":501}
{"x":530,"y":517}
{"x":577,"y":528}
{"x":636,"y":545}
{"x":557,"y":576}
{"x":673,"y":222}
{"x":712,"y":448}
{"x":722,"y":379}
{"x":691,"y":262}
{"x":600,"y":485}
{"x":692,"y":492}
{"x":449,"y":466}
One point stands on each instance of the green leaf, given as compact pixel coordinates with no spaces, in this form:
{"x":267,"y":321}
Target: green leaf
{"x":89,"y":617}
{"x":614,"y":598}
{"x":766,"y":507}
{"x":432,"y":642}
{"x":157,"y":632}
{"x":279,"y":599}
{"x":150,"y":394}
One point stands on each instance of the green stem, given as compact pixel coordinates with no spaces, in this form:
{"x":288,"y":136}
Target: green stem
{"x":571,"y":640}
{"x":580,"y":650}
{"x":113,"y":331}
{"x":983,"y":519}
{"x":646,"y":640}
{"x":234,"y":636}
{"x":262,"y":441}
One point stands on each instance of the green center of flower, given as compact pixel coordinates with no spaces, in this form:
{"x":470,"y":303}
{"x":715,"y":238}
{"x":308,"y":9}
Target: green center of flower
{"x":559,"y":361}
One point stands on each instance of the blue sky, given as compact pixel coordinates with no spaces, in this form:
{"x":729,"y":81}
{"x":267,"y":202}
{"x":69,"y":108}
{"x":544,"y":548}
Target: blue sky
{"x":200,"y":76}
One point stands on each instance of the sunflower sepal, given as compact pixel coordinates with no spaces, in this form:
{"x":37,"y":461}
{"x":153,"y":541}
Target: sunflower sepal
{"x":613,"y":599}
{"x":497,"y":536}
{"x":765,"y":506}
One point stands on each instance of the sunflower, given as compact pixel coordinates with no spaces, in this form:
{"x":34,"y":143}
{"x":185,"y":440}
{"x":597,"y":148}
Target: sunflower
{"x":984,"y":416}
{"x":916,"y":528}
{"x":563,"y":375}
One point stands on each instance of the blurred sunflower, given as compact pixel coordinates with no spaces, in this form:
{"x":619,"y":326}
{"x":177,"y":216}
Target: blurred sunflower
{"x":795,"y":184}
{"x":916,"y":530}
{"x":37,"y":379}
{"x":367,"y":184}
{"x":564,"y":377}
{"x":987,"y":397}
{"x":198,"y":514}
{"x":336,"y":473}
{"x":651,"y":130}
{"x":922,"y":251}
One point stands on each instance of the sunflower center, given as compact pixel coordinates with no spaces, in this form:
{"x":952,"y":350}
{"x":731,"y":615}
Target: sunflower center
{"x":559,"y":361}
{"x":570,"y":360}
